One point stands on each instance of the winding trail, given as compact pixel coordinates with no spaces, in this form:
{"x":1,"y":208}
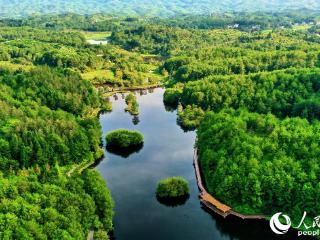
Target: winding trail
{"x":212,"y":203}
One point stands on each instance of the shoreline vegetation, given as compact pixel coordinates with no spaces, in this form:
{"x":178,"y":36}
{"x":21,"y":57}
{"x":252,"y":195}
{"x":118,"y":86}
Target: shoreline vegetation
{"x":211,"y":202}
{"x":113,"y":91}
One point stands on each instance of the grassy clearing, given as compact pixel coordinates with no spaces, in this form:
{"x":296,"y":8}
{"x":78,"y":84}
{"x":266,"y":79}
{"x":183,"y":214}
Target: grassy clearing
{"x":98,"y":74}
{"x":96,"y":35}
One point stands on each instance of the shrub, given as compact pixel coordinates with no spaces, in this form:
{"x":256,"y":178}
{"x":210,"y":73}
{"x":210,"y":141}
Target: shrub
{"x":171,"y":96}
{"x":190,"y":117}
{"x":132,"y":105}
{"x":124,"y":138}
{"x":173,"y":187}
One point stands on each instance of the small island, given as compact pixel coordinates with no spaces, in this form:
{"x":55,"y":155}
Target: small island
{"x":124,"y":139}
{"x":132,"y":105}
{"x":172,"y":188}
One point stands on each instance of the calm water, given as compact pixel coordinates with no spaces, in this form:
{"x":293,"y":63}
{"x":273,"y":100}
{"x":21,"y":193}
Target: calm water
{"x":167,"y":152}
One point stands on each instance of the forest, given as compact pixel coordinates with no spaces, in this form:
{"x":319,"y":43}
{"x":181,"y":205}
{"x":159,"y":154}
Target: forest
{"x":250,"y":88}
{"x":259,"y":163}
{"x":160,"y":8}
{"x":49,"y":133}
{"x":44,"y":130}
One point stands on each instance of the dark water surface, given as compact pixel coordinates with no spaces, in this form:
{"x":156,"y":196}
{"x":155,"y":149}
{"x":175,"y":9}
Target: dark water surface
{"x":167,"y":151}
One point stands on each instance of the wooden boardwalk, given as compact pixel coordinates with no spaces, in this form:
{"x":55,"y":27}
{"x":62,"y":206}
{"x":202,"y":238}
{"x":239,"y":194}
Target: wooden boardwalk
{"x":211,"y":202}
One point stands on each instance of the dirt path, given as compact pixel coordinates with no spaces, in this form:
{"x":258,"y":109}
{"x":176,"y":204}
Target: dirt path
{"x":71,"y":171}
{"x":90,"y":235}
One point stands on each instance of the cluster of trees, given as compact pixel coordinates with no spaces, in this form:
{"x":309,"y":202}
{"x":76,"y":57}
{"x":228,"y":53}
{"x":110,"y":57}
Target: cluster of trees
{"x":123,"y":138}
{"x":45,"y":128}
{"x":101,"y":64}
{"x":190,"y":117}
{"x":46,"y":204}
{"x":262,"y":71}
{"x":42,"y":119}
{"x":158,"y":39}
{"x":184,"y":69}
{"x":129,"y":69}
{"x":290,"y":92}
{"x":173,"y":187}
{"x":32,"y":46}
{"x":96,"y":22}
{"x":245,"y":21}
{"x":259,"y":163}
{"x":43,"y":35}
{"x":132,"y":104}
{"x":172,"y":41}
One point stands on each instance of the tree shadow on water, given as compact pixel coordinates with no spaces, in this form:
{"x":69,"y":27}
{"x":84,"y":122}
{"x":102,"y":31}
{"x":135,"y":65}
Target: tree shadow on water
{"x":135,"y":120}
{"x":173,"y":202}
{"x":124,"y":152}
{"x":170,"y":107}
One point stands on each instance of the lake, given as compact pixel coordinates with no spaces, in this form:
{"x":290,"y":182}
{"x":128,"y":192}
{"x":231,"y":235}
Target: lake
{"x":167,"y":151}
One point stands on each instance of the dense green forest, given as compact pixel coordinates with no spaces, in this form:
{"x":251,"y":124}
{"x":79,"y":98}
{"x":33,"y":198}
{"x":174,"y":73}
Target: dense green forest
{"x":249,"y":86}
{"x":43,"y":203}
{"x":49,"y":133}
{"x":146,"y":8}
{"x":259,"y":163}
{"x":44,"y":132}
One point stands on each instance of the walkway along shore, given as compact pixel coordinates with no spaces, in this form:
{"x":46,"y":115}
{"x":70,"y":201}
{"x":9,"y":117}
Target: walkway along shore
{"x":212,"y":203}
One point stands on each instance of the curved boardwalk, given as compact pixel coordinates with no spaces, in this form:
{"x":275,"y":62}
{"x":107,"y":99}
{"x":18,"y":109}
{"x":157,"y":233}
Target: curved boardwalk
{"x":212,"y":203}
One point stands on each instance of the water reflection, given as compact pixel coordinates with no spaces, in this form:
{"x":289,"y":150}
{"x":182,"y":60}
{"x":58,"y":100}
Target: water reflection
{"x":173,"y":108}
{"x":173,"y":202}
{"x":169,"y":108}
{"x":124,"y":152}
{"x":135,"y":120}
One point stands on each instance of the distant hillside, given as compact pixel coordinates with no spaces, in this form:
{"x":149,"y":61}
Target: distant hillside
{"x":18,"y":8}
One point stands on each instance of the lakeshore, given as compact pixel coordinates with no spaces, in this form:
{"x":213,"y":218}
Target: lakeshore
{"x":211,"y":202}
